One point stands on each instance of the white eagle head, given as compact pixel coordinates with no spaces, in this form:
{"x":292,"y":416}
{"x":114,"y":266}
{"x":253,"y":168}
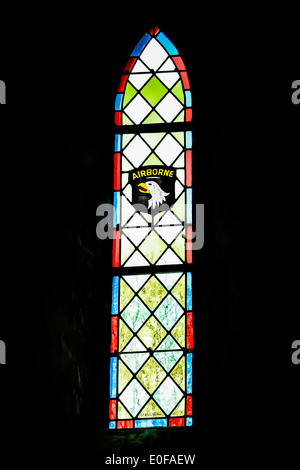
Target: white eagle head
{"x":158,"y":195}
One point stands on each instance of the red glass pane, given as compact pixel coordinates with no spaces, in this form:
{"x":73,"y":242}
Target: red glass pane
{"x":185,"y":80}
{"x":188,"y":114}
{"x":114,"y":334}
{"x":189,"y":331}
{"x":116,"y":248}
{"x":179,"y":62}
{"x":117,"y":171}
{"x":112,"y":409}
{"x":189,"y":405}
{"x":125,"y":424}
{"x":189,"y":256}
{"x":122,"y":83}
{"x":189,"y":168}
{"x":118,"y":118}
{"x":154,"y":31}
{"x":130,"y":63}
{"x":176,"y":422}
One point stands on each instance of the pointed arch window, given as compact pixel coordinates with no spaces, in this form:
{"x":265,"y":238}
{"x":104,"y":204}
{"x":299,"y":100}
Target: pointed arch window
{"x":151,"y":315}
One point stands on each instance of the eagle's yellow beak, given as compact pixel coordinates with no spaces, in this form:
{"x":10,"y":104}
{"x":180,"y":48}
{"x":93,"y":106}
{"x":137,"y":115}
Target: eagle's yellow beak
{"x":143,"y":188}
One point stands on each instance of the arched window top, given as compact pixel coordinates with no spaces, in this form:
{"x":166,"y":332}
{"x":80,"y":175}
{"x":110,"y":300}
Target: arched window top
{"x":154,"y":87}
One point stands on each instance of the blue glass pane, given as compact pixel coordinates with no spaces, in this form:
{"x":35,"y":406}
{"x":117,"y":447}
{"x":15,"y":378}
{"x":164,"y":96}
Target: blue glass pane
{"x":116,"y":208}
{"x":189,"y":218}
{"x":188,"y":139}
{"x":189,"y":291}
{"x":140,"y":45}
{"x":112,"y":425}
{"x":117,"y":142}
{"x":189,"y":359}
{"x":115,"y":296}
{"x":189,"y":421}
{"x":168,"y":45}
{"x":118,"y":103}
{"x":113,"y":377}
{"x":150,"y":423}
{"x":188,"y":98}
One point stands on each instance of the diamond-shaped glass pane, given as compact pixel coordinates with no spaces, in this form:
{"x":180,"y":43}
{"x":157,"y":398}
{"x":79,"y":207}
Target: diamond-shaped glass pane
{"x":134,"y":397}
{"x":152,"y":333}
{"x":168,"y":395}
{"x":152,"y":293}
{"x":168,"y":358}
{"x":153,"y":247}
{"x":151,"y":375}
{"x":134,"y":360}
{"x":154,"y":91}
{"x":135,"y":314}
{"x":168,"y":312}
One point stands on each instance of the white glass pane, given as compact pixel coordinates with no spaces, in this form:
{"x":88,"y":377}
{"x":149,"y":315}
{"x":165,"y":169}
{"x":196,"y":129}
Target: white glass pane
{"x":154,"y":54}
{"x":137,"y":109}
{"x":168,"y":233}
{"x":136,"y":260}
{"x":168,"y":149}
{"x":137,"y":151}
{"x":134,"y":397}
{"x":139,"y":67}
{"x":168,"y":65}
{"x":168,"y":78}
{"x":169,"y":257}
{"x":137,"y":221}
{"x":169,"y":107}
{"x":139,"y":80}
{"x":136,"y":234}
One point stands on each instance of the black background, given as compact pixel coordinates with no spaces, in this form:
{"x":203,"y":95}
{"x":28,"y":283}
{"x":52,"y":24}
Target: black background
{"x":57,"y":136}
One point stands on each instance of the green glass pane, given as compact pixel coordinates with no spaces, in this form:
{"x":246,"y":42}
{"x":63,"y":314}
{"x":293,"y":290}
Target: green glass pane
{"x":179,"y":136}
{"x":180,"y":409}
{"x":153,"y":118}
{"x":168,"y":358}
{"x":124,"y":335}
{"x":179,"y":332}
{"x":134,"y":397}
{"x":151,"y":410}
{"x":126,"y":249}
{"x":153,"y":160}
{"x":154,"y":91}
{"x":179,"y":162}
{"x":153,"y":139}
{"x":151,"y":375}
{"x":124,"y":376}
{"x":179,"y":208}
{"x":125,"y":120}
{"x":152,"y":293}
{"x":179,"y":246}
{"x":168,"y":312}
{"x":126,"y":294}
{"x":179,"y":291}
{"x":168,"y":395}
{"x":152,"y":247}
{"x":180,"y":117}
{"x":130,"y":92}
{"x":178,"y":373}
{"x":177,"y":90}
{"x":168,"y":343}
{"x":126,"y":138}
{"x":135,"y":314}
{"x":122,"y":413}
{"x":134,"y":360}
{"x":152,"y":333}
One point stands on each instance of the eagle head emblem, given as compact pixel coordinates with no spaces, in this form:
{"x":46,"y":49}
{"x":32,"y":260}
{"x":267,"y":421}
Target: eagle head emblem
{"x":158,"y":196}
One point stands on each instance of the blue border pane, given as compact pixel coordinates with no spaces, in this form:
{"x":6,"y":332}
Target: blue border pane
{"x":115,"y":296}
{"x":118,"y":143}
{"x":113,"y":377}
{"x":189,"y":305}
{"x":112,"y":425}
{"x":168,"y":45}
{"x":189,"y":372}
{"x":188,"y":98}
{"x":140,"y":45}
{"x":116,"y":208}
{"x":150,"y":423}
{"x":188,"y":139}
{"x":118,"y":104}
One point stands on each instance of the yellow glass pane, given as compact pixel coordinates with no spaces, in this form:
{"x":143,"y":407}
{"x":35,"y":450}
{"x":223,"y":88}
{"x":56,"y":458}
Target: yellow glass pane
{"x":124,"y":376}
{"x":122,"y":413}
{"x":178,"y":373}
{"x":152,"y":293}
{"x":151,"y":410}
{"x":180,"y":409}
{"x":124,"y":335}
{"x":179,"y":291}
{"x":179,"y":332}
{"x":152,"y":333}
{"x":126,"y":294}
{"x":151,"y":375}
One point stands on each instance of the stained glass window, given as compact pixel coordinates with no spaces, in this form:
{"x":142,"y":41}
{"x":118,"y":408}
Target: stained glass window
{"x":151,"y":314}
